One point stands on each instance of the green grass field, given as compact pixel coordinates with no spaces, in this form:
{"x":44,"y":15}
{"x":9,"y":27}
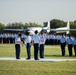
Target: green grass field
{"x":35,"y":67}
{"x":8,"y":50}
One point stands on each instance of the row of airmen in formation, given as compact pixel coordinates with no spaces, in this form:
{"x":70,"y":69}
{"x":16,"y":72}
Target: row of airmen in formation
{"x":10,"y":38}
{"x":50,"y":39}
{"x":44,"y":39}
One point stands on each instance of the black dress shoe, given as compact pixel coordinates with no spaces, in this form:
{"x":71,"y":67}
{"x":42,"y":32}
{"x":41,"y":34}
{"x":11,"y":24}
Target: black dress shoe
{"x":36,"y":59}
{"x":27,"y":58}
{"x":41,"y":57}
{"x":17,"y":58}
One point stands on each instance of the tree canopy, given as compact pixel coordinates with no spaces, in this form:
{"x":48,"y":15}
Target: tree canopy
{"x":1,"y":27}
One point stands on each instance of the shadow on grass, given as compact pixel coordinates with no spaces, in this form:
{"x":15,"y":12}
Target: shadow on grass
{"x":48,"y":56}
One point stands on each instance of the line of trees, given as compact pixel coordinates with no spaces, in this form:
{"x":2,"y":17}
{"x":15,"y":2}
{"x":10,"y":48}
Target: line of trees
{"x":20,"y":24}
{"x":54,"y":23}
{"x":16,"y":25}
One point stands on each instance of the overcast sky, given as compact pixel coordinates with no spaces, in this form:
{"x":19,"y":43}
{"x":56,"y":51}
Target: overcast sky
{"x":37,"y":11}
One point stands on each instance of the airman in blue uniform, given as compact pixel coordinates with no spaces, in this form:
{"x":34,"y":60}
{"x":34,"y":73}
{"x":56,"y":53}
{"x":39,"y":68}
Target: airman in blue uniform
{"x":17,"y":45}
{"x":36,"y":43}
{"x":70,"y":45}
{"x":28,"y":45}
{"x":0,"y":39}
{"x":42,"y":42}
{"x":63,"y":44}
{"x":75,"y":45}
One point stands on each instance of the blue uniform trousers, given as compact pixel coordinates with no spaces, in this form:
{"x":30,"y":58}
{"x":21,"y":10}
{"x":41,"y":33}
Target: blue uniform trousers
{"x":28,"y":50}
{"x":41,"y":50}
{"x":75,"y":49}
{"x":36,"y":51}
{"x":70,"y":49}
{"x":63,"y":48}
{"x":17,"y":47}
{"x":0,"y":40}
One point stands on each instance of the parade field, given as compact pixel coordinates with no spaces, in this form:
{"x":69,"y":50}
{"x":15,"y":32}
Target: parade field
{"x":16,"y":67}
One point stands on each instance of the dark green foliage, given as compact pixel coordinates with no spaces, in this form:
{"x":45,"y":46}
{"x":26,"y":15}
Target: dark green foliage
{"x":73,"y":26}
{"x":20,"y":24}
{"x":55,"y":23}
{"x":1,"y":27}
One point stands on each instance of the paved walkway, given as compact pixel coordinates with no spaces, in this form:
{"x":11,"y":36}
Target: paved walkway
{"x":43,"y":60}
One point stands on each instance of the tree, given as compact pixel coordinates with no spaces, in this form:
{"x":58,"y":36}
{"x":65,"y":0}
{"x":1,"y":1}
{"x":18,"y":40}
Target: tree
{"x":55,"y":23}
{"x":45,"y":24}
{"x":1,"y":27}
{"x":33,"y":24}
{"x":16,"y":25}
{"x":73,"y":26}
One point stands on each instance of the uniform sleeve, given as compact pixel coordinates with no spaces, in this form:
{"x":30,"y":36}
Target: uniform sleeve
{"x":32,"y":37}
{"x":38,"y":37}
